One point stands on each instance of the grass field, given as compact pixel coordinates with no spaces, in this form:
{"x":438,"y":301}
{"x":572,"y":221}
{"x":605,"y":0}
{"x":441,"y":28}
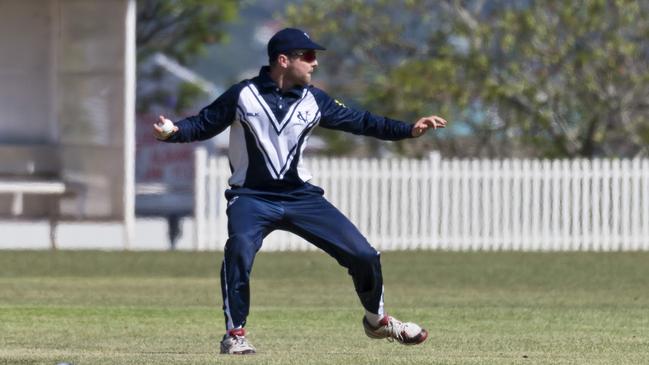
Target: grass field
{"x":480,"y":308}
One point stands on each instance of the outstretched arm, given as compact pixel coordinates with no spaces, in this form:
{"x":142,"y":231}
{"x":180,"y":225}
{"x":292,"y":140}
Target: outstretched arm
{"x":335,"y":115}
{"x":210,"y":121}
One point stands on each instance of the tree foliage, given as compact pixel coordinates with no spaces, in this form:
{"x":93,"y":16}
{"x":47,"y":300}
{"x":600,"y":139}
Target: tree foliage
{"x":181,"y":28}
{"x":532,"y":78}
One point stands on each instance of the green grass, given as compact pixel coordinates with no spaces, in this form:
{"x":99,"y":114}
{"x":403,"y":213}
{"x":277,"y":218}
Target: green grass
{"x":480,"y":308}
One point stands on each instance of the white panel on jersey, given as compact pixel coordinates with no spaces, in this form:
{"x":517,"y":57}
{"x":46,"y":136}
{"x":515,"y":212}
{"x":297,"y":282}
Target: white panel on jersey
{"x":278,"y":141}
{"x":303,"y":173}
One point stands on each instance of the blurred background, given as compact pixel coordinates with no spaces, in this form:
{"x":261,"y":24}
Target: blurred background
{"x":81,"y":82}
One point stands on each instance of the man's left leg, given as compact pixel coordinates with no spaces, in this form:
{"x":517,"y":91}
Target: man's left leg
{"x":322,"y":224}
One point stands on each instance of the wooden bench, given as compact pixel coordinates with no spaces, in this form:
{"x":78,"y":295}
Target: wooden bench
{"x":31,"y":170}
{"x":18,"y":188}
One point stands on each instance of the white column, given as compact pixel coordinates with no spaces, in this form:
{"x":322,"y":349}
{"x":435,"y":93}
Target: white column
{"x":129,"y":123}
{"x":431,"y":190}
{"x":200,"y":166}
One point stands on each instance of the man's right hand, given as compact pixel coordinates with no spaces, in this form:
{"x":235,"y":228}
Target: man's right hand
{"x":162,"y":133}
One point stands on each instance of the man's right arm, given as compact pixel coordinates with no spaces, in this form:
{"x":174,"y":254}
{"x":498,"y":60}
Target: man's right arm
{"x":210,"y":121}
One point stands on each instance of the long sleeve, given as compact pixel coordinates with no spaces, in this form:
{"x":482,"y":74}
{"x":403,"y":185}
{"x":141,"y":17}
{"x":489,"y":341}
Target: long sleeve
{"x":337,"y":116}
{"x":210,"y":121}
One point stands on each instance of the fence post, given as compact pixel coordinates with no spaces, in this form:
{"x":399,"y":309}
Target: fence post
{"x":605,"y":240}
{"x":635,"y":204}
{"x":200,"y":166}
{"x":211,"y":200}
{"x":596,"y":201}
{"x":645,"y":204}
{"x":506,"y":205}
{"x":625,"y":222}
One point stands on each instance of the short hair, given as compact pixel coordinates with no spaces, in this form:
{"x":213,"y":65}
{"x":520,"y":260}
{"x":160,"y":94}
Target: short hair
{"x":272,"y":59}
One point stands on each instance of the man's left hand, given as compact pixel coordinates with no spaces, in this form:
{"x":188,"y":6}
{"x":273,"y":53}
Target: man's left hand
{"x":425,"y":123}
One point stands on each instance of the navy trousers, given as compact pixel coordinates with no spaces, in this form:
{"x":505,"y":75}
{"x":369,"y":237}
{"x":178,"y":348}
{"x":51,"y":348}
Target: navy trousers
{"x":252,"y":217}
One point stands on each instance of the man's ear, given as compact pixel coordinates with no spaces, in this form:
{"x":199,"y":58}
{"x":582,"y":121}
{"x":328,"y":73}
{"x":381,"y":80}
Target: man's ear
{"x":282,"y":60}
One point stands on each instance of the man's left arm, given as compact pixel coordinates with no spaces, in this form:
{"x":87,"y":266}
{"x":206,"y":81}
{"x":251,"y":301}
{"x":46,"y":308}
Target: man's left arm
{"x":335,"y":115}
{"x":426,"y":123}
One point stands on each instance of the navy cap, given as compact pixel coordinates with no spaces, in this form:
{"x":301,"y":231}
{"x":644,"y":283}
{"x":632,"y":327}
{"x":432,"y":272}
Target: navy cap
{"x":290,"y":39}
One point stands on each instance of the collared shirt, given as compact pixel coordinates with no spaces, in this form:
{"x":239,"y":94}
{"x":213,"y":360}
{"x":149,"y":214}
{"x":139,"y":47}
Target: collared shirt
{"x":278,"y":101}
{"x":269,"y":130}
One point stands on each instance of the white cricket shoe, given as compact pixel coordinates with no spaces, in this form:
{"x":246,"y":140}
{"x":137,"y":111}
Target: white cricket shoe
{"x":393,"y":329}
{"x":234,"y":343}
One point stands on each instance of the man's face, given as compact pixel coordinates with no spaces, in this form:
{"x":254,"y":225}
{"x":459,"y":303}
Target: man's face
{"x":301,"y":64}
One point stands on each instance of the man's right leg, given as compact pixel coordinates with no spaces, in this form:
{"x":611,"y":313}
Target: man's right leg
{"x":249,"y":220}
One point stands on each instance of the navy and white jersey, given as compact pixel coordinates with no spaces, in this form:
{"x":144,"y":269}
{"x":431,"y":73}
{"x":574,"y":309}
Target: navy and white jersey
{"x":269,"y":130}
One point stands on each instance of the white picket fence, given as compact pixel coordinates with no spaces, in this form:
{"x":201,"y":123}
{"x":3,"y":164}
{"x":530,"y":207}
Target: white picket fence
{"x":529,"y":205}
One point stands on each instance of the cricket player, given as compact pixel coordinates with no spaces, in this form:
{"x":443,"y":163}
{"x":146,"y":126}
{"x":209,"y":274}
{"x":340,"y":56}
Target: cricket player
{"x":271,"y":117}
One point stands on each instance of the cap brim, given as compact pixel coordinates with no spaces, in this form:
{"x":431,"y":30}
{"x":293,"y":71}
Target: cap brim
{"x":314,"y":45}
{"x":318,"y":47}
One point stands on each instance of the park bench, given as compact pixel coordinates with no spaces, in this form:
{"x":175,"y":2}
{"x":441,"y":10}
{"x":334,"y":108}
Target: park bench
{"x":28,"y":171}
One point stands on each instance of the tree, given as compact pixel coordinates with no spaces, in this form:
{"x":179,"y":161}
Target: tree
{"x":533,"y":78}
{"x":181,"y":28}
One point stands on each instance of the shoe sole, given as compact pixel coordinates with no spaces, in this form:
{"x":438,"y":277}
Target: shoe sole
{"x":421,"y":336}
{"x":244,"y":352}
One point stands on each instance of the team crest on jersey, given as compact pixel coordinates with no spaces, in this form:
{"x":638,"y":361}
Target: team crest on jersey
{"x":303,"y":116}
